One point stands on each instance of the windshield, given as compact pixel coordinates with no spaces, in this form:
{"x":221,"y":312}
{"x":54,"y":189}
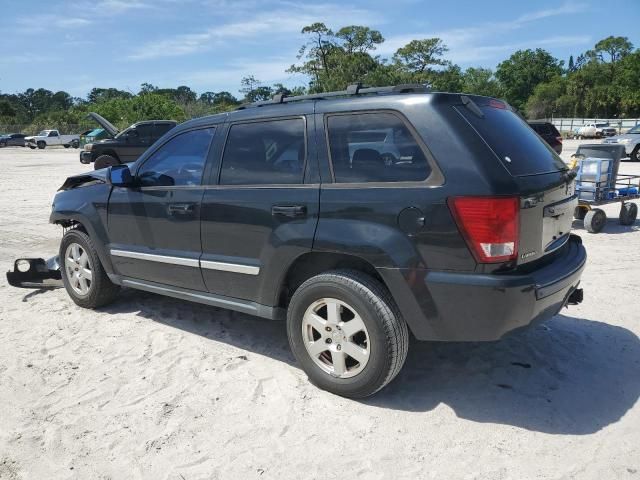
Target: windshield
{"x":43,"y":133}
{"x":635,"y":129}
{"x":521,"y":151}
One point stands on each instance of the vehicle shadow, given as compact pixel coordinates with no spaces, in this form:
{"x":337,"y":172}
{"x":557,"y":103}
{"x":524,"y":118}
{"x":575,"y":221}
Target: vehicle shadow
{"x":567,"y":376}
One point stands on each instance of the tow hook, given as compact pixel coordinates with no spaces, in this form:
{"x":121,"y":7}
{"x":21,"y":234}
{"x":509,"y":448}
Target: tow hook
{"x":576,"y":297}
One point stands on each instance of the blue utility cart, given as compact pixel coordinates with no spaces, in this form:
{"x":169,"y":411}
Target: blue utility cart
{"x":598,"y":183}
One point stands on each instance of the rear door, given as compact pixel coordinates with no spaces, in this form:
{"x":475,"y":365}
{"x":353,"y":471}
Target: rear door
{"x":261,"y":208}
{"x":154,"y":228}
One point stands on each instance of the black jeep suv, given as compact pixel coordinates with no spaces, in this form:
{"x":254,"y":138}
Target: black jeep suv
{"x":358,"y":216}
{"x":125,"y":146}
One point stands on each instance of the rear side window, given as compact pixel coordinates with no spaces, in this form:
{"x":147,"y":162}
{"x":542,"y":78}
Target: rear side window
{"x":179,"y":162}
{"x":520,"y":150}
{"x":145,"y":132}
{"x":160,"y":129}
{"x":270,"y":152}
{"x":374,"y":147}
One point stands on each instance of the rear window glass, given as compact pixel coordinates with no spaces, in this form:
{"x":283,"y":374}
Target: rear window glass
{"x":521,"y":151}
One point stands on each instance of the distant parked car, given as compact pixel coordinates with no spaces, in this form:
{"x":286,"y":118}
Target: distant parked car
{"x":12,"y":140}
{"x":631,"y":142}
{"x":596,"y":130}
{"x":549,"y":134}
{"x":125,"y":146}
{"x":48,"y":138}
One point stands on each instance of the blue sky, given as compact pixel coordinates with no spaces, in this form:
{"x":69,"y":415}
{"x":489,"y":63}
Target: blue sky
{"x":210,"y":44}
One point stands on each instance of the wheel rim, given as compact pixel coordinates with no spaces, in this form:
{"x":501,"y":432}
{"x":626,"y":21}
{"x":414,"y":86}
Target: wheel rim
{"x":336,"y":338}
{"x":78,"y":269}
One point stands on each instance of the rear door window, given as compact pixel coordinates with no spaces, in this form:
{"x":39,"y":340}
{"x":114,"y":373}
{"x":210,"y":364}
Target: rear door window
{"x":266,"y":152}
{"x":519,"y":149}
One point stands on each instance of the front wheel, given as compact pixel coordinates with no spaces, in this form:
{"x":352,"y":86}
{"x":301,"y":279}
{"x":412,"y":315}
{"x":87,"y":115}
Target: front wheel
{"x":42,"y":145}
{"x":347,"y":333}
{"x":104,"y":161}
{"x":595,"y":220}
{"x":83,"y":276}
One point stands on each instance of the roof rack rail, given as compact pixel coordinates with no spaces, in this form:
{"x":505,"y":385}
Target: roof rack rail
{"x":355,"y":89}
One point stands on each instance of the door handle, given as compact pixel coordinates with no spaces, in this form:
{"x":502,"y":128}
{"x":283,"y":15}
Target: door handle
{"x":181,"y":208}
{"x":291,"y":211}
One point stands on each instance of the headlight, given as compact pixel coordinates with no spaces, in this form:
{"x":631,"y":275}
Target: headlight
{"x":88,"y":147}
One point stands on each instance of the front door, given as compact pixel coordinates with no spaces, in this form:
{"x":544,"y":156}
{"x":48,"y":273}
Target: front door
{"x":154,"y":227}
{"x":263,"y":212}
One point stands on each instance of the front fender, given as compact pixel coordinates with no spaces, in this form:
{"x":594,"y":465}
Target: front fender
{"x":88,"y":207}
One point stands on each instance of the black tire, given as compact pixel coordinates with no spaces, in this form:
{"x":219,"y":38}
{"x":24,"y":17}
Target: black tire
{"x":388,"y":337}
{"x":32,"y":147}
{"x":66,"y":146}
{"x":104,"y":161}
{"x":628,"y":213}
{"x":41,"y":145}
{"x":579,"y":213}
{"x":595,"y":220}
{"x":635,"y":154}
{"x":101,"y":290}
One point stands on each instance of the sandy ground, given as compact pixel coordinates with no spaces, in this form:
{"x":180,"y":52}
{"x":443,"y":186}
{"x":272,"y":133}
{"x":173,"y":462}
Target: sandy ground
{"x":157,"y":388}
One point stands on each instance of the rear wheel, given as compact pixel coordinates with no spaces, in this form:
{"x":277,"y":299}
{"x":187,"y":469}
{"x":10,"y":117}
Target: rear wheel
{"x":635,"y":154}
{"x":347,"y":333}
{"x":41,"y":145}
{"x":595,"y":220}
{"x":628,"y":213}
{"x":83,"y":277}
{"x":104,"y":161}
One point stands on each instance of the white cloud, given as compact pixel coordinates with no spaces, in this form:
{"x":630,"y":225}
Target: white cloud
{"x":466,"y":44}
{"x":41,"y":22}
{"x":290,"y":18}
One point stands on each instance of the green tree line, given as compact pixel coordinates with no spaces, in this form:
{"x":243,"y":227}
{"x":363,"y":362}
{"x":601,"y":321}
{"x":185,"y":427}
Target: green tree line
{"x":601,"y":82}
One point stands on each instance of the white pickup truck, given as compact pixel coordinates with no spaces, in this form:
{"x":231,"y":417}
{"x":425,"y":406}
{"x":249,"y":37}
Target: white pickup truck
{"x":595,"y":130}
{"x":47,"y":138}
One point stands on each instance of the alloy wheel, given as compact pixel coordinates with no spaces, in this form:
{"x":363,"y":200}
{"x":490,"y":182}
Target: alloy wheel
{"x":336,"y":338}
{"x":78,"y":269}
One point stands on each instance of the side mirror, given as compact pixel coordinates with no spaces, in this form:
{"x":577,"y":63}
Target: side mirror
{"x":120,"y":176}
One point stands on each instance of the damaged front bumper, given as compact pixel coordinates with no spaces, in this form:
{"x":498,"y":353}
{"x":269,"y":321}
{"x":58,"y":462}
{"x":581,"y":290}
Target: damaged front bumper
{"x":35,"y":273}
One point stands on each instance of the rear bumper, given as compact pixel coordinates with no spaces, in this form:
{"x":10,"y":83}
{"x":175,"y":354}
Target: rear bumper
{"x":449,"y":306}
{"x":86,"y":157}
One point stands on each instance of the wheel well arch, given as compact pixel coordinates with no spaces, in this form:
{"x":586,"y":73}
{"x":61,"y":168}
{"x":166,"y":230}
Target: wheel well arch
{"x":71,"y":223}
{"x":311,"y":264}
{"x":109,"y":152}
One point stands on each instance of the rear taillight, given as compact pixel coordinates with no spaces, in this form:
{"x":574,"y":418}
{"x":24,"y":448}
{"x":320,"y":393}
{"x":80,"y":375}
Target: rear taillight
{"x":489,"y":225}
